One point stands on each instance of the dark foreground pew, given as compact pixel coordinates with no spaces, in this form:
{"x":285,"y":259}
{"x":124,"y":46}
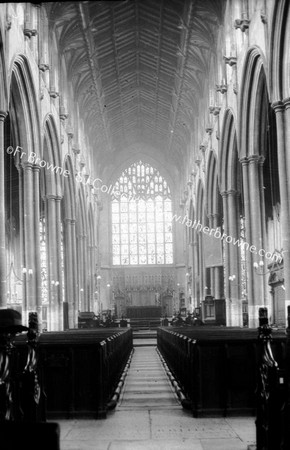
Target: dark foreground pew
{"x":80,"y":369}
{"x":33,"y":436}
{"x":217,"y":368}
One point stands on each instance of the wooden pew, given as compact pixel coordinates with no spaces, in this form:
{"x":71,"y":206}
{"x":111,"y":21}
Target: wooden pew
{"x":33,"y":436}
{"x":217,"y":367}
{"x":80,"y":369}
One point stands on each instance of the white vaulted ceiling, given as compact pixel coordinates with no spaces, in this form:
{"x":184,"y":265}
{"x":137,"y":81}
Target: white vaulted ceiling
{"x":138,"y":69}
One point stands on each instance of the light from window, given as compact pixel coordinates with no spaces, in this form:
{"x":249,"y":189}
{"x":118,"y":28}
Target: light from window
{"x":141,"y":217}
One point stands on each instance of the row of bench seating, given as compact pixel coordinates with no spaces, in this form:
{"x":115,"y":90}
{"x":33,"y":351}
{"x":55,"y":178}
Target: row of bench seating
{"x":80,"y":369}
{"x":217,"y":367}
{"x":55,"y":375}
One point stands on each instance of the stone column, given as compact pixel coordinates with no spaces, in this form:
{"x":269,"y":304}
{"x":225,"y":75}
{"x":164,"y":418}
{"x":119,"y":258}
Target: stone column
{"x":253,"y":221}
{"x":234,"y":258}
{"x":224,"y":195}
{"x":248,"y":236}
{"x":283,"y":142}
{"x":217,"y":270}
{"x":75,"y":306}
{"x":68,"y":271}
{"x":37,"y":277}
{"x":81,"y":284}
{"x":212,"y":269}
{"x":195,"y":272}
{"x":91,"y":277}
{"x":29,"y":239}
{"x":59,"y":263}
{"x":3,"y":268}
{"x":53,"y":263}
{"x":21,"y":234}
{"x":264,"y":236}
{"x":85,"y":273}
{"x":287,"y":145}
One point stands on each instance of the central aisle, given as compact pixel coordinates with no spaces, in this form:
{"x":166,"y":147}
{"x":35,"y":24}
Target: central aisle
{"x":150,"y":417}
{"x":147,"y":385}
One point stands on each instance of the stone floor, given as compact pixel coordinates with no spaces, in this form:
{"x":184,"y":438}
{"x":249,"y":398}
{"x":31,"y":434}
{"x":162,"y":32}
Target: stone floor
{"x":150,"y":417}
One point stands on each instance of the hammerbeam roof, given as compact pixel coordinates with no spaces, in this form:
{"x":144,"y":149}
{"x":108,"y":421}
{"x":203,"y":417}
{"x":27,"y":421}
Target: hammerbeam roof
{"x":138,"y":68}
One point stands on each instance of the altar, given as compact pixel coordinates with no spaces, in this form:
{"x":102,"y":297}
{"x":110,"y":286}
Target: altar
{"x":142,"y":312}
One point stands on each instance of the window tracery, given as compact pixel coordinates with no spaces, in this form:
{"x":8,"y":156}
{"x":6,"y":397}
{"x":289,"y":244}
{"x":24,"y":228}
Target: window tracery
{"x":141,"y":217}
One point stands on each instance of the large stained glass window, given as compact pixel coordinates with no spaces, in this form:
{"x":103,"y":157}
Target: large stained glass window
{"x":141,"y":217}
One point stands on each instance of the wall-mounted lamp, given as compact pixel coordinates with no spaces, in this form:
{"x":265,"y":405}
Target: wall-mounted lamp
{"x":259,"y":268}
{"x":29,"y":272}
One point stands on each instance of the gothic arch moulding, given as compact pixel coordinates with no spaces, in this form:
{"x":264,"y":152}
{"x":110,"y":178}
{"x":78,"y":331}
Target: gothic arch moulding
{"x":212,"y":188}
{"x":279,"y":68}
{"x":69,"y":190}
{"x":3,"y":78}
{"x":145,"y":158}
{"x":228,"y":161}
{"x":24,"y":107}
{"x":82,"y":213}
{"x":252,"y":104}
{"x":51,"y":156}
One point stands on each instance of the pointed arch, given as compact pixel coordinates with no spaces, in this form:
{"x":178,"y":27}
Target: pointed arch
{"x":69,"y":190}
{"x":279,"y":73}
{"x":229,"y":161}
{"x":254,"y":89}
{"x":141,"y":217}
{"x":213,"y":200}
{"x":3,"y":78}
{"x":51,"y":155}
{"x":146,"y":159}
{"x":23,"y":101}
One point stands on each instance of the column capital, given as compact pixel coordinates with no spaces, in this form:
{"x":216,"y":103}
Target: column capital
{"x":254,"y":158}
{"x":278,"y":106}
{"x":55,"y":197}
{"x":286,"y":103}
{"x":232,"y":192}
{"x":35,"y":168}
{"x":82,"y":236}
{"x":3,"y":115}
{"x":244,"y":161}
{"x":224,"y":194}
{"x":50,"y":197}
{"x":70,"y":221}
{"x":261,"y":159}
{"x":27,"y":165}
